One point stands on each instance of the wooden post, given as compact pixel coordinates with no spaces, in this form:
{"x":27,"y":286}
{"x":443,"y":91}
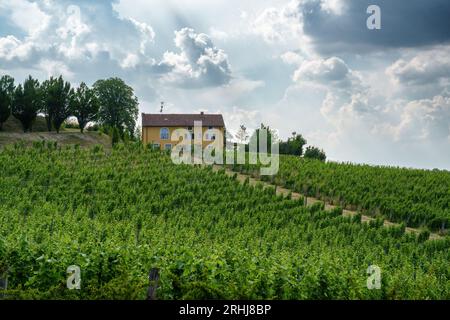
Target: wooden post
{"x":3,"y":284}
{"x":153,"y":278}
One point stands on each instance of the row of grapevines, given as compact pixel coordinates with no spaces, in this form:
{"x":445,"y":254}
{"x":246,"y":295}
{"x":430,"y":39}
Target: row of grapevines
{"x":419,"y":198}
{"x":118,"y":214}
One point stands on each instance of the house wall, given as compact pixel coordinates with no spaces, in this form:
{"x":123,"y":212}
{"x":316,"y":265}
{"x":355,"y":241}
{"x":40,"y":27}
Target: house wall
{"x":152,"y":135}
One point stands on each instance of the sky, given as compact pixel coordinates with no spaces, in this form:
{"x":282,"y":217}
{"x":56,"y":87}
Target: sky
{"x":306,"y":66}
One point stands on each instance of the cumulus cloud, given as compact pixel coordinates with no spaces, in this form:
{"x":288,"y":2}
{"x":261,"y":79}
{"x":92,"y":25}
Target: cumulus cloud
{"x":199,"y":63}
{"x":328,"y":72}
{"x":87,"y":41}
{"x":309,"y":66}
{"x":73,"y":35}
{"x":25,"y":15}
{"x":424,"y":120}
{"x":278,"y":24}
{"x":425,"y":67}
{"x":12,"y":49}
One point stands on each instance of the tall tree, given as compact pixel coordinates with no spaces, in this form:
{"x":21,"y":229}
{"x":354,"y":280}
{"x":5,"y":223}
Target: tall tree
{"x":47,"y":104}
{"x":27,"y":103}
{"x":271,"y":136}
{"x":242,"y":134}
{"x":84,"y":106}
{"x":6,"y":97}
{"x":58,"y":95}
{"x":118,"y":104}
{"x":294,"y":145}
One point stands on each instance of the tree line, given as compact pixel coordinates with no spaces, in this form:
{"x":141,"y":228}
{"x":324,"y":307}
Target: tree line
{"x":111,"y":103}
{"x":294,"y":145}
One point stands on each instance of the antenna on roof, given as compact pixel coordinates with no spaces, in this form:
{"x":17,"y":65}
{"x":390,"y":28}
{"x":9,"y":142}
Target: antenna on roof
{"x":162,"y":106}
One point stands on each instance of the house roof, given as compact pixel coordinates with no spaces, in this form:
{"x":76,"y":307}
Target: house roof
{"x":181,"y":120}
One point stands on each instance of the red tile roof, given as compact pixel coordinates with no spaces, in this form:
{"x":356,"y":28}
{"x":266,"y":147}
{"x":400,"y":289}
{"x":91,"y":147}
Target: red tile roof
{"x":181,"y":120}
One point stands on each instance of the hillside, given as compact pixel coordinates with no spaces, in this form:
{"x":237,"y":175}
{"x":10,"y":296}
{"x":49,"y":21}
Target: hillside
{"x":418,"y":198}
{"x":13,"y":125}
{"x":86,"y":139}
{"x":119,"y":214}
{"x":12,"y":133}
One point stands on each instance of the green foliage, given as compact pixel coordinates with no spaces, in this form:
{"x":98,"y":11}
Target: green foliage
{"x":115,"y":135}
{"x":27,"y":101}
{"x":6,"y":98}
{"x":118,"y":214}
{"x":118,"y":105}
{"x":84,"y":106}
{"x":57,"y":99}
{"x":411,"y":196}
{"x":312,"y":152}
{"x":423,"y":236}
{"x":271,"y":136}
{"x":294,"y":145}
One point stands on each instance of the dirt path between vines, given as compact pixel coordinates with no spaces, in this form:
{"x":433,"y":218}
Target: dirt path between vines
{"x":310,"y":201}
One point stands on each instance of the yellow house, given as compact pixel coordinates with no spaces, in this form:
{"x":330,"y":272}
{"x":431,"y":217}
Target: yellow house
{"x":157,"y":128}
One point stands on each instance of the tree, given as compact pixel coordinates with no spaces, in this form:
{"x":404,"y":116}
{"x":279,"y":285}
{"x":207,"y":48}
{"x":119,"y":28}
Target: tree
{"x":294,"y":145}
{"x":271,"y":136}
{"x":27,"y":103}
{"x":242,"y":134}
{"x":6,"y":97}
{"x":58,"y":95}
{"x":118,"y":105}
{"x":84,"y":106}
{"x":315,"y":153}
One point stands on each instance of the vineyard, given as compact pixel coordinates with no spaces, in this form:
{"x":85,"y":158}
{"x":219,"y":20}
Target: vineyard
{"x":117,"y":214}
{"x":418,"y":198}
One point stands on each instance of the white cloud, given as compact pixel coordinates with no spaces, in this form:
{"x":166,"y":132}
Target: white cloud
{"x":425,"y":67}
{"x":238,"y":116}
{"x":332,"y":71}
{"x":333,"y":6}
{"x":25,"y":15}
{"x":424,"y":120}
{"x":199,"y":63}
{"x":12,"y":48}
{"x":279,"y":24}
{"x":291,"y":57}
{"x":74,"y":33}
{"x":56,"y":68}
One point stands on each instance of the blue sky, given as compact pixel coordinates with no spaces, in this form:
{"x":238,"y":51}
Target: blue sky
{"x":310,"y":66}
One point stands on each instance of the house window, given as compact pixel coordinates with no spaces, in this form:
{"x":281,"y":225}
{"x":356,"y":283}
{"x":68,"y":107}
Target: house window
{"x":193,"y":137}
{"x":210,"y":128}
{"x":164,"y":134}
{"x":190,"y":128}
{"x":168,"y":146}
{"x":156,"y":146}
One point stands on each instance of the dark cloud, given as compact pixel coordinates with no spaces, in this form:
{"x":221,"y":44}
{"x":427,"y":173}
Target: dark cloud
{"x":407,"y":23}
